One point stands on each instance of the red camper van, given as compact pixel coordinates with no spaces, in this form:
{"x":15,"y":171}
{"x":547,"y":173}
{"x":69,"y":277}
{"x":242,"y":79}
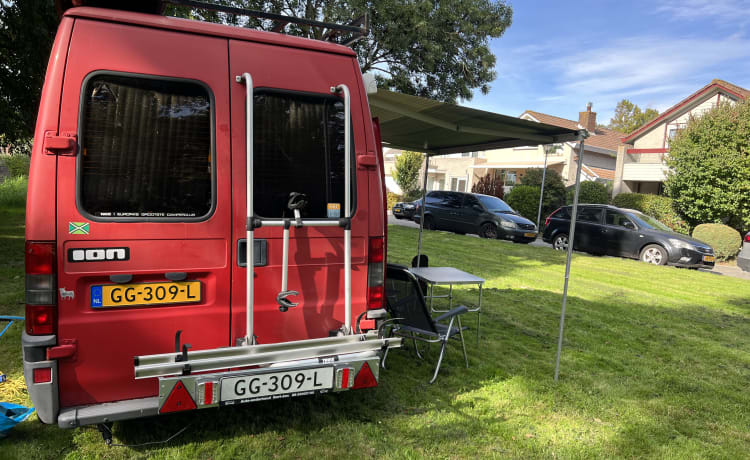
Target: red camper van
{"x":168,"y":153}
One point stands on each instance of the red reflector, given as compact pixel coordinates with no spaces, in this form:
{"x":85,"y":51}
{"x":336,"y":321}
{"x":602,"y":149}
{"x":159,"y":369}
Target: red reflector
{"x":365,"y":378}
{"x":208,"y":392}
{"x":345,"y":378}
{"x":42,"y":375}
{"x":375,"y":297}
{"x":40,"y":319}
{"x":747,"y":237}
{"x":376,"y":253}
{"x":179,"y":399}
{"x":40,"y":258}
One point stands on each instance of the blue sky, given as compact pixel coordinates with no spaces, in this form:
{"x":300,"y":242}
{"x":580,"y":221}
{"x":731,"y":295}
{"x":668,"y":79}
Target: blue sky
{"x":558,"y":55}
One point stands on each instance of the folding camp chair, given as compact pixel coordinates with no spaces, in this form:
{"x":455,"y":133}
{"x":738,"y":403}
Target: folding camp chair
{"x":411,"y":317}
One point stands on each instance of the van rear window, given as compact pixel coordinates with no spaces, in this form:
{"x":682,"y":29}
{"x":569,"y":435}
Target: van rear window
{"x":299,"y":147}
{"x":146,"y":149}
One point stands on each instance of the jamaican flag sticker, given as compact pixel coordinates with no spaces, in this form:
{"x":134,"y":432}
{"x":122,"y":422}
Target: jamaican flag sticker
{"x":78,"y":228}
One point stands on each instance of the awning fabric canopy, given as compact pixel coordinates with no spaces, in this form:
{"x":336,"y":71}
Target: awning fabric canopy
{"x":438,"y":128}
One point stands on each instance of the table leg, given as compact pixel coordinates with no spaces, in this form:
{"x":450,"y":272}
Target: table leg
{"x":432,"y":296}
{"x":450,"y":297}
{"x":463,"y":345}
{"x":479,"y":312}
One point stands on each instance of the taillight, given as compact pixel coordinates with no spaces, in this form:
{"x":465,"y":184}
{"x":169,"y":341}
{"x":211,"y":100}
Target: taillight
{"x":376,"y":273}
{"x":546,"y":221}
{"x":41,"y":281}
{"x":747,"y":237}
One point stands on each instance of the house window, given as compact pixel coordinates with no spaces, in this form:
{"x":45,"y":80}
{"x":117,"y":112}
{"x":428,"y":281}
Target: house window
{"x":458,"y":184}
{"x":470,"y":155}
{"x":510,"y":178}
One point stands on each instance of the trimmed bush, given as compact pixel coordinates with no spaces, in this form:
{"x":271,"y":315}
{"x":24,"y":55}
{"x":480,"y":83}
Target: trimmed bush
{"x":13,"y":191}
{"x":393,"y":198}
{"x":591,"y":193}
{"x":660,"y":207}
{"x":724,"y":239}
{"x":525,"y":200}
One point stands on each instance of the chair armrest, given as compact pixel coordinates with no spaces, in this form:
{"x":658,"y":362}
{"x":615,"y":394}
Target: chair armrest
{"x":459,"y":310}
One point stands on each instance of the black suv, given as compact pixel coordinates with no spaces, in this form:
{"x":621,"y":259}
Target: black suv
{"x":602,"y":229}
{"x":487,"y":216}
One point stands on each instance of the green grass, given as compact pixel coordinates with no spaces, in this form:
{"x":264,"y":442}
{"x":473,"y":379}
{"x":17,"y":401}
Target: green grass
{"x":13,"y":192}
{"x":656,"y":364}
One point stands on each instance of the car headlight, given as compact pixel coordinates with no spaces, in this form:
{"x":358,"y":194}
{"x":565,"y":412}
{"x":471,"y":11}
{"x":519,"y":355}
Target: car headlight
{"x":507,"y":224}
{"x":679,"y":244}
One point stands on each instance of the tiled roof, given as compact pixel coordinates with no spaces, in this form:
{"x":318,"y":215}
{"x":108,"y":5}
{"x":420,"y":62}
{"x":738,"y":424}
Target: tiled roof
{"x":715,"y":83}
{"x":601,"y":137}
{"x":608,"y":174}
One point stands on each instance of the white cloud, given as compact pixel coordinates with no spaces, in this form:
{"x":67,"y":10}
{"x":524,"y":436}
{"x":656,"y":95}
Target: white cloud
{"x":727,"y":11}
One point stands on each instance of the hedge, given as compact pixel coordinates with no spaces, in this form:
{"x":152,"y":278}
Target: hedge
{"x":392,"y":199}
{"x":525,"y":200}
{"x":591,"y":192}
{"x":17,"y":164}
{"x":724,"y":239}
{"x":660,"y":207}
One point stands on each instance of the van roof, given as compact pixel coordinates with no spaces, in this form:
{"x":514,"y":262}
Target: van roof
{"x":205,"y":28}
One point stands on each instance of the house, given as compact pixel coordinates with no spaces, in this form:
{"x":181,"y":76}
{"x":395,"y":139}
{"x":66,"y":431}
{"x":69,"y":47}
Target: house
{"x":460,"y":171}
{"x":640,"y":157}
{"x":599,"y":160}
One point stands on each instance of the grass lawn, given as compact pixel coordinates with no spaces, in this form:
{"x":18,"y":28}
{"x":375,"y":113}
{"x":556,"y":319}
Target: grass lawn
{"x":656,"y":364}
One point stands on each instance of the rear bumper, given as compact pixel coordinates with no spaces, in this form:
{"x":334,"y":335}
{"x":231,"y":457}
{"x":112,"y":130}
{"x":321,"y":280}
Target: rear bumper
{"x":44,"y":396}
{"x":743,"y":259}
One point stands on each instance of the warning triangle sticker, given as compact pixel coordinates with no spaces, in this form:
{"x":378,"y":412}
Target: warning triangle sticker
{"x":179,"y":399}
{"x":365,"y":378}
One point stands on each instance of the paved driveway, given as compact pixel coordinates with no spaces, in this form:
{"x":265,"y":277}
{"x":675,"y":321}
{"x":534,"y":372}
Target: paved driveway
{"x":726,"y":270}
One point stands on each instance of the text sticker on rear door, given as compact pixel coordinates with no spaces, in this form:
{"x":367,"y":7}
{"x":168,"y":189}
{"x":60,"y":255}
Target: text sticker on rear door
{"x":334,"y":210}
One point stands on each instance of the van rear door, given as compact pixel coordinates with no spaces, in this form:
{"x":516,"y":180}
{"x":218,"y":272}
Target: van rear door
{"x":298,"y":134}
{"x":144,"y":207}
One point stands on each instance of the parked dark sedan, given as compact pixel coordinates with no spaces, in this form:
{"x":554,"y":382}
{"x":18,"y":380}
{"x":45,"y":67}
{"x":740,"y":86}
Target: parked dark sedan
{"x":404,"y":210}
{"x":487,"y":216}
{"x":627,"y":233}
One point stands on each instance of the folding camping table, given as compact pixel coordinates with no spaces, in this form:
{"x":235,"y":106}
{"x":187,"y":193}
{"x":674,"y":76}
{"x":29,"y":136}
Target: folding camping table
{"x":448,"y":276}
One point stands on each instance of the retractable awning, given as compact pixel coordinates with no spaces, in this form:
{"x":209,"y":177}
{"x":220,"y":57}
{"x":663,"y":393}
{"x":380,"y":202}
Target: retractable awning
{"x":438,"y":128}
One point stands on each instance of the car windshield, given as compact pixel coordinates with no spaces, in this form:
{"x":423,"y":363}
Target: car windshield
{"x":649,"y":222}
{"x":494,"y":204}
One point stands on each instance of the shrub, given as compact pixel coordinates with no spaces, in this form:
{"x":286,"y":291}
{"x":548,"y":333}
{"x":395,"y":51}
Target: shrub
{"x":13,"y":191}
{"x":17,"y":164}
{"x":525,"y":200}
{"x":554,"y":188}
{"x":724,"y":239}
{"x":490,"y":184}
{"x":660,"y":207}
{"x":412,"y":196}
{"x":392,"y":199}
{"x":591,"y":193}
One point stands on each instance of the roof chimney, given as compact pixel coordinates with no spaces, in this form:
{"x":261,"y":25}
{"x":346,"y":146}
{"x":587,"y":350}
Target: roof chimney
{"x":587,"y":119}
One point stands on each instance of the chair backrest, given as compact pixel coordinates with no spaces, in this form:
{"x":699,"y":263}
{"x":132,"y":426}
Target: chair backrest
{"x":404,"y":299}
{"x":423,"y":261}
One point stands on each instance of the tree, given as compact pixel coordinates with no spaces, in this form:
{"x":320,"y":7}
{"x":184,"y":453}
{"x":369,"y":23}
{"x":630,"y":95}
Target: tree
{"x":490,"y":184}
{"x":629,"y":117}
{"x":710,"y":167}
{"x":406,"y":172}
{"x":433,"y":49}
{"x":27,"y":30}
{"x":554,"y":188}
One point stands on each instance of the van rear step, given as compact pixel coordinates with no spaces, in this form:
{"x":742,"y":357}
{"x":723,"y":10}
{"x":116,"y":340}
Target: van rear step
{"x":168,"y":364}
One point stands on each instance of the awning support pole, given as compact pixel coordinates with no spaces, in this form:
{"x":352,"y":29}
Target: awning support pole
{"x":541,"y":192}
{"x":422,"y":206}
{"x":571,"y":235}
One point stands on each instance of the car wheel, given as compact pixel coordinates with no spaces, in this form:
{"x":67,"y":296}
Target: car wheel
{"x":429,"y":223}
{"x":398,"y":217}
{"x":560,"y":242}
{"x":460,"y":233}
{"x":488,"y":230}
{"x":654,"y":254}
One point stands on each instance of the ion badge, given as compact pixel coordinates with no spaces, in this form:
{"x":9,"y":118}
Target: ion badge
{"x":78,"y":228}
{"x":97,"y":254}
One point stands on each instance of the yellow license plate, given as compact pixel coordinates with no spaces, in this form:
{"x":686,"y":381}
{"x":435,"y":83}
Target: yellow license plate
{"x":529,"y":235}
{"x":128,"y":295}
{"x":709,"y":259}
